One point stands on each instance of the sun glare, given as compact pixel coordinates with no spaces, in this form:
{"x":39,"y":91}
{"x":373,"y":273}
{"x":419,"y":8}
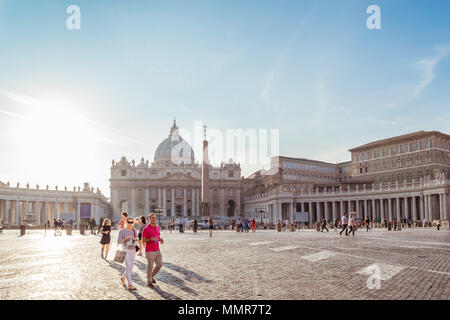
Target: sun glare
{"x":55,"y":139}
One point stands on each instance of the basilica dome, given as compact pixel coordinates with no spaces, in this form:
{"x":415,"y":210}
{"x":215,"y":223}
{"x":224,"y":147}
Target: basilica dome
{"x":174,"y":149}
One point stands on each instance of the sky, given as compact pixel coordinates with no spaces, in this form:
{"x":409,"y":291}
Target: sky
{"x":71,"y":101}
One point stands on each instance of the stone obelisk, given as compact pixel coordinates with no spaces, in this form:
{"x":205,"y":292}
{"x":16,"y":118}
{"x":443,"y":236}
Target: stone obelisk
{"x":205,"y":178}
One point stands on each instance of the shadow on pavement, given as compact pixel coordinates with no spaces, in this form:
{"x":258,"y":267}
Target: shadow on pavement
{"x":121,"y":270}
{"x":168,"y":278}
{"x":189,"y":275}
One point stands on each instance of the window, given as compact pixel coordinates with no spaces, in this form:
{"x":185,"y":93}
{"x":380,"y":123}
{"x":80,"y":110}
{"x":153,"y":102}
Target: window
{"x":389,"y":151}
{"x":399,"y":149}
{"x":154,"y":193}
{"x":230,"y":174}
{"x":428,"y":145}
{"x":123,"y":173}
{"x":230,"y":192}
{"x":179,"y":193}
{"x":408,"y":148}
{"x":123,"y":193}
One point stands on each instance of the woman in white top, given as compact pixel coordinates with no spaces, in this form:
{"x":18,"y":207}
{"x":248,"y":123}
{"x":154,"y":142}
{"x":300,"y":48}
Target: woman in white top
{"x":351,"y":224}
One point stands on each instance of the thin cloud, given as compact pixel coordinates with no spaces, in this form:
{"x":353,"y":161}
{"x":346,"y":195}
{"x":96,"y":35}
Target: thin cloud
{"x":427,"y":66}
{"x":15,"y":115}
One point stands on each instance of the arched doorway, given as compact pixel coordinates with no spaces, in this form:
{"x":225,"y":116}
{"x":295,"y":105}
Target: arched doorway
{"x":230,"y":209}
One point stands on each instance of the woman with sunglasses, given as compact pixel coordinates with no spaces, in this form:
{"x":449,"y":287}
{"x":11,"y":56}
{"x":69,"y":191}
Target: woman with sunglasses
{"x":128,"y":238}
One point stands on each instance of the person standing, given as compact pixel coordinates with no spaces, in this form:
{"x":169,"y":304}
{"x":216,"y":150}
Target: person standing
{"x":253,"y":225}
{"x":336,"y":224}
{"x":142,"y":224}
{"x":367,"y":224}
{"x":195,"y":225}
{"x":122,"y":221}
{"x":438,"y":224}
{"x":324,"y":225}
{"x":344,"y":220}
{"x":100,"y":224}
{"x":211,"y":227}
{"x":151,"y":237}
{"x":128,"y":238}
{"x":105,"y":231}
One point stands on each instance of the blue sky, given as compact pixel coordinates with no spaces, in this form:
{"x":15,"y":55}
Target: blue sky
{"x":309,"y":68}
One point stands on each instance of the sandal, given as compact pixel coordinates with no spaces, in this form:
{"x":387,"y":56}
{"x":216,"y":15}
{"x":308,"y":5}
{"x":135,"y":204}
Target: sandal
{"x":131,"y":288}
{"x":123,"y":281}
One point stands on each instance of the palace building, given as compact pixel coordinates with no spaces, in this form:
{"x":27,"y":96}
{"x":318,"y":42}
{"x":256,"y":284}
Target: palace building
{"x":404,"y":176}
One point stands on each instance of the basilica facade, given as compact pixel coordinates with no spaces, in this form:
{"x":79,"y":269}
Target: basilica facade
{"x":172,"y":183}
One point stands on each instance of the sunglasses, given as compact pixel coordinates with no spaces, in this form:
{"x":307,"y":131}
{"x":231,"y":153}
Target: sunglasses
{"x":129,"y":221}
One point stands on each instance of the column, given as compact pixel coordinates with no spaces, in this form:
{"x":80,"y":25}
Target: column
{"x":184,"y":202}
{"x":422,"y":207}
{"x":430,"y":211}
{"x":397,"y":208}
{"x":327,"y":213}
{"x":164,"y":203}
{"x":382,"y":209}
{"x":17,"y":222}
{"x":303,"y":207}
{"x":444,"y":201}
{"x":36,"y":212}
{"x":349,"y":207}
{"x":197,"y":202}
{"x":26,"y":209}
{"x":147,"y":199}
{"x":159,"y":198}
{"x":365,"y":209}
{"x":407,"y":215}
{"x":425,"y":206}
{"x":65,"y":207}
{"x":55,"y":210}
{"x":334,"y":211}
{"x":172,"y":207}
{"x":390,"y":208}
{"x":7,"y":205}
{"x":193,"y":202}
{"x":78,"y":213}
{"x":374,"y":210}
{"x":342,"y":208}
{"x":310,"y":212}
{"x":45,"y":212}
{"x":319,"y":211}
{"x":94,"y":211}
{"x":414,"y":209}
{"x":291,"y":213}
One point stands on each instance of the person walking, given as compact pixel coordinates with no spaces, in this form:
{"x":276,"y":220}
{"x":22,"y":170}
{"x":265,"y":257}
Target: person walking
{"x":211,"y":227}
{"x":142,"y":224}
{"x":128,"y":239}
{"x":100,"y":224}
{"x":352,"y":225}
{"x":151,"y":237}
{"x":324,"y":225}
{"x":122,"y":221}
{"x":368,"y":224}
{"x":344,"y":220}
{"x":105,"y":231}
{"x":253,"y":225}
{"x":336,"y":224}
{"x":195,"y":226}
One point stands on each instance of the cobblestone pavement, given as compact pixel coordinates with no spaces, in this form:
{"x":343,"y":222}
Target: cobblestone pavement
{"x":413,"y":264}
